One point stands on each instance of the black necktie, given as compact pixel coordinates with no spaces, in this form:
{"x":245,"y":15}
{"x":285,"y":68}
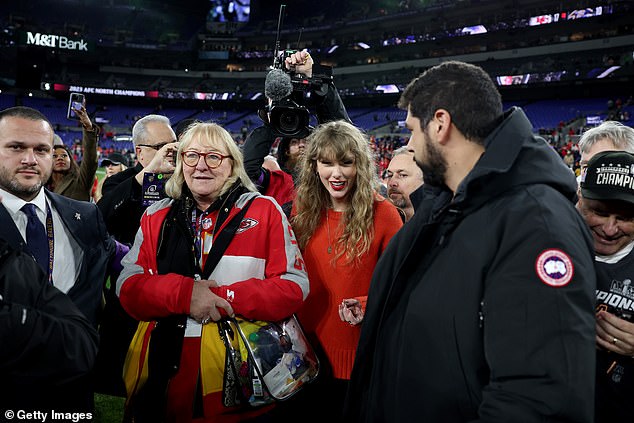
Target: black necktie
{"x":36,"y":240}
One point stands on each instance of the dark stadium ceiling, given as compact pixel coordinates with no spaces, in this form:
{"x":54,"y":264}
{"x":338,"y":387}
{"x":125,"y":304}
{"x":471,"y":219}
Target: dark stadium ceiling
{"x":153,"y":19}
{"x":123,"y":38}
{"x":77,"y":12}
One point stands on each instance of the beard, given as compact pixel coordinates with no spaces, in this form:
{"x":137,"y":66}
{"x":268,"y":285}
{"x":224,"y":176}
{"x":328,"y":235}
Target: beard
{"x":399,"y":201}
{"x":435,"y":166}
{"x":10,"y":183}
{"x":293,"y":160}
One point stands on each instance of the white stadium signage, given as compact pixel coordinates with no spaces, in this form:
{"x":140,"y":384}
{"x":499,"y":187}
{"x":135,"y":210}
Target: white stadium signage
{"x":55,"y":41}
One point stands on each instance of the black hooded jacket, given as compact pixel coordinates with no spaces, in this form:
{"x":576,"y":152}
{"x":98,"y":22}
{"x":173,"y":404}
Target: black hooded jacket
{"x":47,"y":346}
{"x":474,"y":314}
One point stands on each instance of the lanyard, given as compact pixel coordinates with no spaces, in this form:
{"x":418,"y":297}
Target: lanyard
{"x":51,"y":242}
{"x":197,"y":226}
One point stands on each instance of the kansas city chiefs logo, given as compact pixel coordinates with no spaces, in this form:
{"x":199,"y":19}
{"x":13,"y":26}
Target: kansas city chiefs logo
{"x":247,"y":224}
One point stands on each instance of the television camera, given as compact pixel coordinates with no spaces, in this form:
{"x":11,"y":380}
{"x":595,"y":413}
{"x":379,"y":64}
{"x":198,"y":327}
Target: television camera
{"x":289,"y":92}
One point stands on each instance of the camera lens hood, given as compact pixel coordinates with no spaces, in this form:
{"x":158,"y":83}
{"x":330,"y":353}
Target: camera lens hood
{"x":288,"y":119}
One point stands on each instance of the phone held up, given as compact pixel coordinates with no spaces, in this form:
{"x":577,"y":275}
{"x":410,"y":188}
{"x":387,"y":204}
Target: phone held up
{"x":75,"y":101}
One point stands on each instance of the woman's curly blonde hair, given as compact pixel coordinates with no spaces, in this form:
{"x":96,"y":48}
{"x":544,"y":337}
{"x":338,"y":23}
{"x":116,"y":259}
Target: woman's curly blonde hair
{"x":336,"y":141}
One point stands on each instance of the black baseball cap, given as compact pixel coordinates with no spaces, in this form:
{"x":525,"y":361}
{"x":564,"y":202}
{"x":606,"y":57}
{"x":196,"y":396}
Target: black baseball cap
{"x":609,"y":176}
{"x":114,"y":159}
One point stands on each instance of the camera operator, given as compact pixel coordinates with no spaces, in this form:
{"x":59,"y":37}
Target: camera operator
{"x":278,"y":87}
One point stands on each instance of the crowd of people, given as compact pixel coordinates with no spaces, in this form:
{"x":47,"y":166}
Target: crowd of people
{"x":480,"y":280}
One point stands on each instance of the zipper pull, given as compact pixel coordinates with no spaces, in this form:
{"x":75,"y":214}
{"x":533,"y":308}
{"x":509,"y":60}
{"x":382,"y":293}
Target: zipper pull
{"x":481,"y":315}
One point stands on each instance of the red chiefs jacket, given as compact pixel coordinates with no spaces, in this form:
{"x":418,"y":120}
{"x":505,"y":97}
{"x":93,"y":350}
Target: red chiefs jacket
{"x":261,"y":274}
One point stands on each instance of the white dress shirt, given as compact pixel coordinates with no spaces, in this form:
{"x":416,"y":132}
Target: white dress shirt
{"x":67,"y":256}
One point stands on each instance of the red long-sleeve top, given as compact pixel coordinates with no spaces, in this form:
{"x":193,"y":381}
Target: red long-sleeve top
{"x":331,"y":282}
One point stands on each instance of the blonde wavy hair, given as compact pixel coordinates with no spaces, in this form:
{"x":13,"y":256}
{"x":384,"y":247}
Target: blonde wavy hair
{"x":214,"y":136}
{"x":337,"y":141}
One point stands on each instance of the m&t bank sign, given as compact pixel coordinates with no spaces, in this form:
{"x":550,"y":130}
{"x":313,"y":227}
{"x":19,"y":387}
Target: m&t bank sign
{"x":53,"y":41}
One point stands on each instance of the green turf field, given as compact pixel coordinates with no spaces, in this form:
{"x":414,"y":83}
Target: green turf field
{"x":108,"y":409}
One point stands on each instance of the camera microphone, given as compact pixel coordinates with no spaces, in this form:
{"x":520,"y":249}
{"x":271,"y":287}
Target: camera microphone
{"x":286,"y":117}
{"x":277,"y":85}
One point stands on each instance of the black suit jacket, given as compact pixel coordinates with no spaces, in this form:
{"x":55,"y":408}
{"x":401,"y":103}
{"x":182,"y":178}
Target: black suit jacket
{"x":84,"y":223}
{"x":121,"y":204}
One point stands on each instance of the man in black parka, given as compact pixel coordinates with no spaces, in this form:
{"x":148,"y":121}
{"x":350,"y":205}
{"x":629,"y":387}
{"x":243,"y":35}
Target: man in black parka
{"x":481,"y":309}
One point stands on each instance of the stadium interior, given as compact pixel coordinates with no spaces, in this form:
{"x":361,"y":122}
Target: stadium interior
{"x":568,"y":64}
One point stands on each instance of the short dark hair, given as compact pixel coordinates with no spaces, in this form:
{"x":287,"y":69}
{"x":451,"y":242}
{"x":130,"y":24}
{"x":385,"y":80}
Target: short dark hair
{"x":25,"y":113}
{"x":466,"y":91}
{"x":283,"y":147}
{"x":182,"y":126}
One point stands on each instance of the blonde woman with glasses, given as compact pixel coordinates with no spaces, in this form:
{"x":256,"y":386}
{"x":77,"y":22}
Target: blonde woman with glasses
{"x":167,"y":279}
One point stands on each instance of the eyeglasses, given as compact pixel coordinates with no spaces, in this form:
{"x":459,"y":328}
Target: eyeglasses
{"x":212,"y":159}
{"x":156,"y":147}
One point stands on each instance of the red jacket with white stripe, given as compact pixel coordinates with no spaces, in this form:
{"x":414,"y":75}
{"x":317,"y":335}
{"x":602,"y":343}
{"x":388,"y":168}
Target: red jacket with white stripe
{"x":261,"y":273}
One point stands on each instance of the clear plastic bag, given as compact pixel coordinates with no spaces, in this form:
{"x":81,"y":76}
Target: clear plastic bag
{"x":281,"y":354}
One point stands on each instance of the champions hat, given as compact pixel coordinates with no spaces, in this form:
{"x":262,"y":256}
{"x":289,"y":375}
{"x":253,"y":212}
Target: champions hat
{"x":609,"y":176}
